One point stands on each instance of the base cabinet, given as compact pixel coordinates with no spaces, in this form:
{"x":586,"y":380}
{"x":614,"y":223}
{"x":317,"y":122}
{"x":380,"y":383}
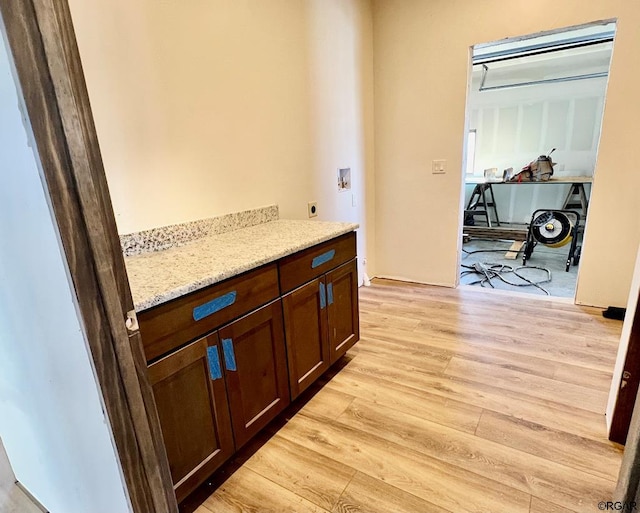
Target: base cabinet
{"x":191,"y":399}
{"x":255,"y":365}
{"x":321,"y":324}
{"x":260,"y":340}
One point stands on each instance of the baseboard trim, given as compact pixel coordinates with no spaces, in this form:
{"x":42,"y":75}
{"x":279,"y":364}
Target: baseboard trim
{"x":31,"y":497}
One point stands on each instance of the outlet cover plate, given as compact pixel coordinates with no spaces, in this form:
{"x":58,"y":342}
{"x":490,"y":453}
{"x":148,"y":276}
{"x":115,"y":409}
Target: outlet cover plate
{"x":312,"y":207}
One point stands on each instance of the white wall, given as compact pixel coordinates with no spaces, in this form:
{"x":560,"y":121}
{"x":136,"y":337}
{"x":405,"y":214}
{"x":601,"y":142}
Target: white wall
{"x":421,"y":65}
{"x":516,"y":125}
{"x":206,"y":108}
{"x":51,"y":418}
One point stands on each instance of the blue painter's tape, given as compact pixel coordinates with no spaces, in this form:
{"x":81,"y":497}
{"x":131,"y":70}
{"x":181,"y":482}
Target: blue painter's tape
{"x":330,"y":292}
{"x":229,"y":355}
{"x":323,"y":296}
{"x":213,"y":306}
{"x":215,"y":371}
{"x":323,"y":259}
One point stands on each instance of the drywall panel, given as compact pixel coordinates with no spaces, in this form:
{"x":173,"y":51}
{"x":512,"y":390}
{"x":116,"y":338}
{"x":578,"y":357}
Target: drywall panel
{"x":206,"y":108}
{"x":51,"y":419}
{"x":530,"y":130}
{"x":584,"y":123}
{"x":421,"y":67}
{"x":555,"y":130}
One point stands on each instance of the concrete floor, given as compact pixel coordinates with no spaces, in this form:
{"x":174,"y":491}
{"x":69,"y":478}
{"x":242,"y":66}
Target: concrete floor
{"x":562,"y":284}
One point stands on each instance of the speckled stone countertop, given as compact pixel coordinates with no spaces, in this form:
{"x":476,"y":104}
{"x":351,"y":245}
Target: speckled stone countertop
{"x":158,"y":277}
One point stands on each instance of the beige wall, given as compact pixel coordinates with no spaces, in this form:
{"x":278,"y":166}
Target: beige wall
{"x":209,"y":107}
{"x":421,"y":61}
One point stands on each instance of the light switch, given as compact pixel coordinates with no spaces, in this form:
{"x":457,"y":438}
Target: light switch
{"x":439,"y":167}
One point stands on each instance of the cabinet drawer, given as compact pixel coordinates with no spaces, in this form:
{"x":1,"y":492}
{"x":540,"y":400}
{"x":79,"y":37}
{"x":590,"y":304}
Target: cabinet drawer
{"x":295,"y":270}
{"x":170,"y":325}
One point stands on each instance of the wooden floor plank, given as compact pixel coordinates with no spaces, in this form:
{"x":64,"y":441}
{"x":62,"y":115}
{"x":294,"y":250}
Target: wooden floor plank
{"x":329,"y":403}
{"x":541,"y":506}
{"x":440,"y":483}
{"x":245,"y":491}
{"x":525,"y":472}
{"x":533,"y":344}
{"x":571,"y":419}
{"x":597,"y":458}
{"x":535,"y":386}
{"x":306,"y":473}
{"x":408,"y":344}
{"x":591,"y":378}
{"x":368,"y":495}
{"x":462,"y":416}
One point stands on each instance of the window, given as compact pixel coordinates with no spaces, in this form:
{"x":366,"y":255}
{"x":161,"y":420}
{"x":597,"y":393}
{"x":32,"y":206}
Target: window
{"x":471,"y":151}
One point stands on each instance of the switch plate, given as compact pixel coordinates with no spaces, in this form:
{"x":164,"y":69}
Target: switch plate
{"x":439,"y":167}
{"x":312,"y":207}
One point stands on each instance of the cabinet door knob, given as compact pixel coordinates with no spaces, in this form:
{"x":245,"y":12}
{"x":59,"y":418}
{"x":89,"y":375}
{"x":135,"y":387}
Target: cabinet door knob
{"x":229,"y":355}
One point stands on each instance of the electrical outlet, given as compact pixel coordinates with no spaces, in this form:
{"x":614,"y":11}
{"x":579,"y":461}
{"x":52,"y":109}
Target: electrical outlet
{"x":439,"y":167}
{"x":312,"y":206}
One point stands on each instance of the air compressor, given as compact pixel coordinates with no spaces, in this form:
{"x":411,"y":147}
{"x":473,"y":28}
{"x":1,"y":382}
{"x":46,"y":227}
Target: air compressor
{"x":554,"y":229}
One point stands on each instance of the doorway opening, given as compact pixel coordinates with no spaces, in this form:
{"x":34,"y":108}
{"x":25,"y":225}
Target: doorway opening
{"x":534,"y":114}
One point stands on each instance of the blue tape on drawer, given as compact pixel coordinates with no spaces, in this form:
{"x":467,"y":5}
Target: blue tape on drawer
{"x":330,"y":293}
{"x":215,"y":371}
{"x":323,"y":259}
{"x":229,"y":355}
{"x":213,"y":306}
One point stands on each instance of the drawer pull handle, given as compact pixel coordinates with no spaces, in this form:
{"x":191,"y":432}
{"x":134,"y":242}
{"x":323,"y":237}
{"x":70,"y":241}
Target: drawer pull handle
{"x":229,"y":355}
{"x":323,"y":259}
{"x":323,"y":296}
{"x":330,"y":292}
{"x":214,"y":363}
{"x":213,"y":306}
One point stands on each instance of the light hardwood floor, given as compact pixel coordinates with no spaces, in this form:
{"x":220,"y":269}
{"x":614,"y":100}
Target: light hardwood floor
{"x":453,"y":401}
{"x":12,"y":498}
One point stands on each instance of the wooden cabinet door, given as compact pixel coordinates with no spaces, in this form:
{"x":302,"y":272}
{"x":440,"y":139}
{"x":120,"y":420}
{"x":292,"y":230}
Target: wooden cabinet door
{"x":342,"y":308}
{"x":191,"y":398}
{"x":255,"y":370}
{"x":305,"y":323}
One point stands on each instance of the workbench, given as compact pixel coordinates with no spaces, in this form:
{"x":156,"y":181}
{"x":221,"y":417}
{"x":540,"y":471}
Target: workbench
{"x":479,"y":204}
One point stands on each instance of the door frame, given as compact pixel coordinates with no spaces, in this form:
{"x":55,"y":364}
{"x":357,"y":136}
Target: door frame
{"x":48,"y":73}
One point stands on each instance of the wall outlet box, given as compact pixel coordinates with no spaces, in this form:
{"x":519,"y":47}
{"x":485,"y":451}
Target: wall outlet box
{"x":439,"y":167}
{"x":312,"y":207}
{"x":344,"y":179}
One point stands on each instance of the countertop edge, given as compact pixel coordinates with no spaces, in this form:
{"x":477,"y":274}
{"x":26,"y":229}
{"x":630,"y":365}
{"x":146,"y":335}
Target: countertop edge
{"x":232,"y":271}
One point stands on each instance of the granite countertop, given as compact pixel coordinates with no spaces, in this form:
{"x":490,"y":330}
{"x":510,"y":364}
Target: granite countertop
{"x":160,"y":276}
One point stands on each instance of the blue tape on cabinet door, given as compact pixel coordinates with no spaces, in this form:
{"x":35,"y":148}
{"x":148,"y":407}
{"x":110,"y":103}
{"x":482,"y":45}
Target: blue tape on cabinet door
{"x":330,"y":292}
{"x":213,"y":306}
{"x":323,"y":259}
{"x":323,"y":296}
{"x":229,"y":355}
{"x":215,"y":371}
